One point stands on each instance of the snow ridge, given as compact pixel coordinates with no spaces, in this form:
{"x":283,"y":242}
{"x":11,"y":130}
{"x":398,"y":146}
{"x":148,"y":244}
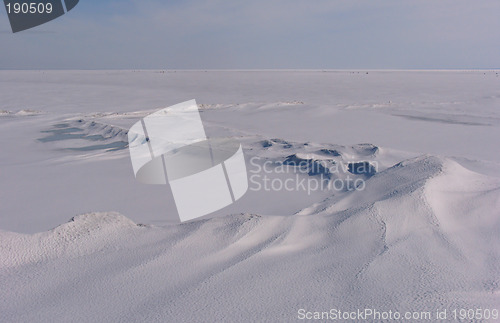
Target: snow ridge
{"x":339,"y":249}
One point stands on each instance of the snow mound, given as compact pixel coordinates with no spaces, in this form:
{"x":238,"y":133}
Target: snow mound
{"x":427,"y":221}
{"x":20,"y":113}
{"x":251,"y":105}
{"x":86,"y":135}
{"x":84,"y":234}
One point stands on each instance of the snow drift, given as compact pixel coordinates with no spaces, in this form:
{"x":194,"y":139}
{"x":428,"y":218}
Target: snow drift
{"x":423,"y":235}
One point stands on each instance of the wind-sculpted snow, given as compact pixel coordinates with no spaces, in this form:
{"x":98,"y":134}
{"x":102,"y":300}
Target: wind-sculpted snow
{"x":85,"y":135}
{"x":407,"y":242}
{"x":20,"y":113}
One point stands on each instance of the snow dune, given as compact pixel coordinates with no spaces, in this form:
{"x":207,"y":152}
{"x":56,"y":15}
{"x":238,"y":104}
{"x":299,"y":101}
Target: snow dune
{"x":87,"y":135}
{"x":423,"y":235}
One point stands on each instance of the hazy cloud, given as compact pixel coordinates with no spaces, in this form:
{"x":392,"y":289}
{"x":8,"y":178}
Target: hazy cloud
{"x":261,"y":34}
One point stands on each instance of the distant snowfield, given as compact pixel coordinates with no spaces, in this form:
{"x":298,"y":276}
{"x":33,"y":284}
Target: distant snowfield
{"x":421,"y":236}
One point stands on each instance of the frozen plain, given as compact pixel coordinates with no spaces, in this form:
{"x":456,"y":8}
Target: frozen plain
{"x":421,"y":236}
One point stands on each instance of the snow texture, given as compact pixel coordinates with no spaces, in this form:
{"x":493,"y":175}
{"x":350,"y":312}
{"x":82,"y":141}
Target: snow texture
{"x":421,"y":236}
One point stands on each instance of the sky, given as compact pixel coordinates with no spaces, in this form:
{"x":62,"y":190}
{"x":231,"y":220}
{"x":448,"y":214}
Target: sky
{"x":260,"y":34}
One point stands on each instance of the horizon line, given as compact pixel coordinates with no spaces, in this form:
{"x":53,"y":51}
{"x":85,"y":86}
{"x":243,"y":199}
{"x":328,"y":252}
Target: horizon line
{"x":261,"y":69}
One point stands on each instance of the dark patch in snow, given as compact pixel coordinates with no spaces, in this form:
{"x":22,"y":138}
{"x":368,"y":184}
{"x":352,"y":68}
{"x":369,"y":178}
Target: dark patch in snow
{"x":361,"y":168}
{"x":330,"y":152}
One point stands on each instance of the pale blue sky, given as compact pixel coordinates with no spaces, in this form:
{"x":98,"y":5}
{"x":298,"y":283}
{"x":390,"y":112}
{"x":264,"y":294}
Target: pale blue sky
{"x":261,"y":34}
